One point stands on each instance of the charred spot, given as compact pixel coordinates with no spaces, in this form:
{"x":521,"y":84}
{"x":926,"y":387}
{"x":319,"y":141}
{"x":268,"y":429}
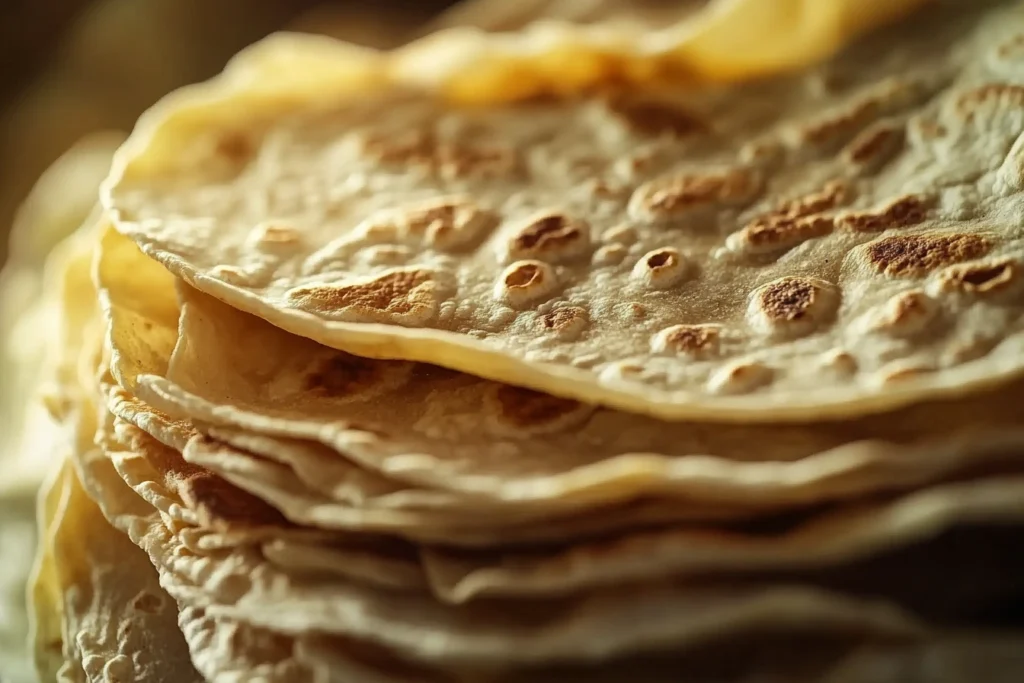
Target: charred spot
{"x":785,"y":232}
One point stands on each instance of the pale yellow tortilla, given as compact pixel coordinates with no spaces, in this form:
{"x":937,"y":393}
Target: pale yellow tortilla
{"x":831,"y":244}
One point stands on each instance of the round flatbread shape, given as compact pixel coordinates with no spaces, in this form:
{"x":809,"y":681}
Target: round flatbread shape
{"x":833,"y":243}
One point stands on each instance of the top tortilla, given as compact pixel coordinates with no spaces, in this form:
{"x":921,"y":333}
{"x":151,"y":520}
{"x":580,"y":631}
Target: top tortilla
{"x":834,"y":243}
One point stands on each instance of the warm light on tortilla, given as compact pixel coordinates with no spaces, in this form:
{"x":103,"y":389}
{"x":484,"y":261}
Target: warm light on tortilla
{"x":729,"y":40}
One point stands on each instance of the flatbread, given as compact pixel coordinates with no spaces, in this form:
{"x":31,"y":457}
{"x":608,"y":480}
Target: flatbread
{"x":225,"y":649}
{"x":369,"y":506}
{"x":45,"y":603}
{"x":632,"y":41}
{"x":840,"y":242}
{"x":494,"y":15}
{"x":423,"y":427}
{"x":813,"y":543}
{"x":241,"y":586}
{"x":118,"y":623}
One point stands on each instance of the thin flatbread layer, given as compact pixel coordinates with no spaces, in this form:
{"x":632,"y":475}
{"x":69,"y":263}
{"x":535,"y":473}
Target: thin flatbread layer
{"x":838,"y":242}
{"x":45,"y":600}
{"x":545,"y":50}
{"x":421,"y":426}
{"x":118,"y":622}
{"x":538,"y":575}
{"x":222,"y":650}
{"x":225,"y":649}
{"x":240,"y":585}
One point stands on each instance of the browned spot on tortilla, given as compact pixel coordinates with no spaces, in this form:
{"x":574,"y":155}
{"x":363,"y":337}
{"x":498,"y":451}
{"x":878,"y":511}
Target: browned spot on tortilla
{"x":782,"y":233}
{"x":449,"y":223}
{"x":525,"y":408}
{"x":550,"y":237}
{"x":990,"y":94}
{"x":657,"y":118}
{"x":678,"y":194}
{"x":692,"y":339}
{"x":788,"y":299}
{"x":566,"y":320}
{"x":840,"y":125}
{"x":406,"y":295}
{"x":874,"y":146}
{"x":525,"y":276}
{"x":982,"y":278}
{"x":833,"y":194}
{"x":235,"y":147}
{"x":793,"y":221}
{"x":899,"y":213}
{"x":661,"y":268}
{"x":909,"y":307}
{"x":344,"y":375}
{"x":911,"y":255}
{"x":662,"y":259}
{"x":525,"y":282}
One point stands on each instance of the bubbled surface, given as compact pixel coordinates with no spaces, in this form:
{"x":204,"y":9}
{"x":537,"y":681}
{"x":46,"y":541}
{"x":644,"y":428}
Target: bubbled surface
{"x":699,"y":254}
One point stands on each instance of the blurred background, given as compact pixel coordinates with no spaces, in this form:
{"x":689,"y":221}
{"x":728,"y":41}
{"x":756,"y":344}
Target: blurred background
{"x":73,"y":68}
{"x":78,"y":67}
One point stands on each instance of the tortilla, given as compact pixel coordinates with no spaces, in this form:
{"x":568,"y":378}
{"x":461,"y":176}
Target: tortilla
{"x":839,"y":242}
{"x":423,"y":427}
{"x":638,"y":42}
{"x":45,"y":601}
{"x":97,"y":607}
{"x":239,"y":585}
{"x":224,"y":649}
{"x":118,"y":623}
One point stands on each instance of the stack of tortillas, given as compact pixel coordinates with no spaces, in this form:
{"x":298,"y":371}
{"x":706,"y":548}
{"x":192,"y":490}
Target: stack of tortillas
{"x":637,"y":382}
